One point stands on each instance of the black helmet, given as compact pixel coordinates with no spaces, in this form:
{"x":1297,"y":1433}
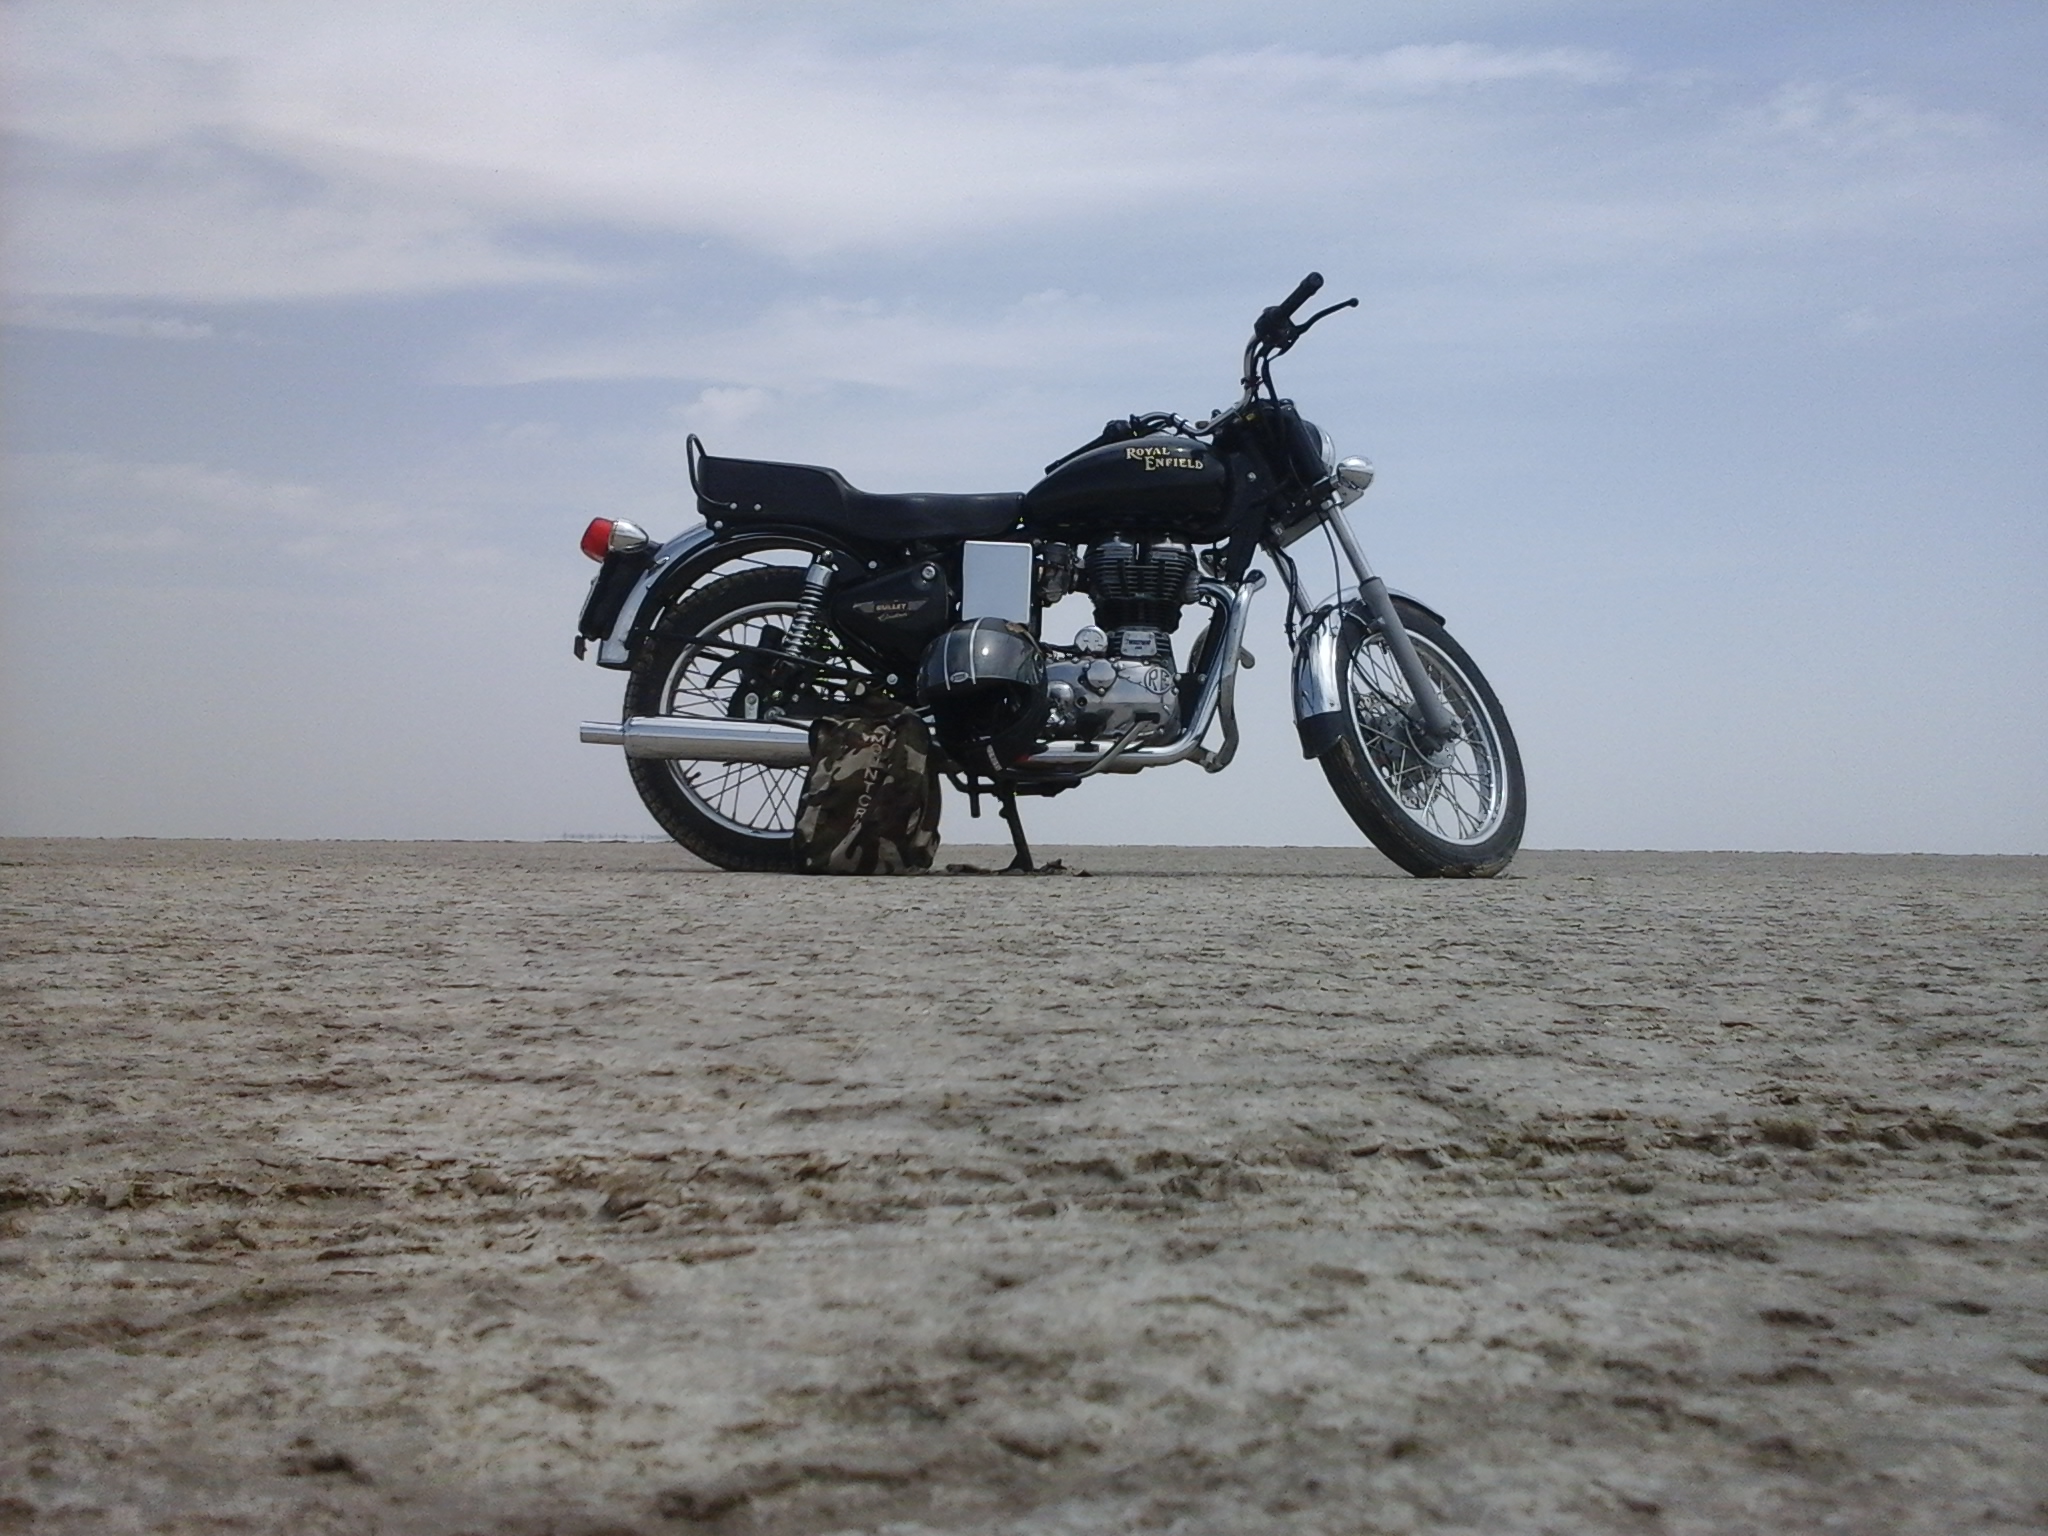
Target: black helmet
{"x":984,"y":682}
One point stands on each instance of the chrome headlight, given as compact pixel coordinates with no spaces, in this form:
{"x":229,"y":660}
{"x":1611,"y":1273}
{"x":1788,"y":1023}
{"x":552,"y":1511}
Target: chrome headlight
{"x":1352,"y":475}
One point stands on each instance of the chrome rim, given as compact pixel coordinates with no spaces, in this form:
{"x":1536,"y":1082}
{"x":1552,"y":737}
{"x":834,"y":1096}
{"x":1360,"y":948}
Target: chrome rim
{"x":1457,"y":793}
{"x":748,"y":798}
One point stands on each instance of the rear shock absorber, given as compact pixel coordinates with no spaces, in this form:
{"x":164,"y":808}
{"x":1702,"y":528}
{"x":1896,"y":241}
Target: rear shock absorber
{"x":803,"y":627}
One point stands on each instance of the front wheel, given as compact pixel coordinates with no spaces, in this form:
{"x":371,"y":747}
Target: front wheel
{"x":1456,"y":810}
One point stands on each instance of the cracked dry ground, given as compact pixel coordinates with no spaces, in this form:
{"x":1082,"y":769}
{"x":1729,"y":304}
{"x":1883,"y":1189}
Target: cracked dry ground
{"x":580,"y":1189}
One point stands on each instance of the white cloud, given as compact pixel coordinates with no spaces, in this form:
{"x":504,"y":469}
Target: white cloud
{"x":221,"y":526}
{"x":191,"y":224}
{"x":220,"y":151}
{"x":57,"y":317}
{"x":1808,"y":115}
{"x":812,"y":343}
{"x":718,"y":410}
{"x":1411,"y":69}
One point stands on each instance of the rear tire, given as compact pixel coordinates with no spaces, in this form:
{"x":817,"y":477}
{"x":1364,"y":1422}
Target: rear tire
{"x":1454,"y":813}
{"x":739,"y":816}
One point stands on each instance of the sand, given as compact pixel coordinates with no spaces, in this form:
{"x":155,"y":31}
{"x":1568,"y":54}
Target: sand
{"x":570,"y":1188}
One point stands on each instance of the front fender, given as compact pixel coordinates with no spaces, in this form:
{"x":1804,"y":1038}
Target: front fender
{"x":1319,"y":671}
{"x":678,"y":565}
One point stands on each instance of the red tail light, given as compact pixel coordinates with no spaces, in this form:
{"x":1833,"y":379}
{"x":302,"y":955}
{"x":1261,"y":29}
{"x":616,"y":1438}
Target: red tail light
{"x":597,"y":538}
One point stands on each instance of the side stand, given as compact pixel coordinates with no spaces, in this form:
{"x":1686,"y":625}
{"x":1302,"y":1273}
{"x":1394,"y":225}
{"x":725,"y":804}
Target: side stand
{"x":1022,"y":864}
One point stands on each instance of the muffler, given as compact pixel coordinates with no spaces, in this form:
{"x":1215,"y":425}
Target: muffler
{"x":704,"y":739}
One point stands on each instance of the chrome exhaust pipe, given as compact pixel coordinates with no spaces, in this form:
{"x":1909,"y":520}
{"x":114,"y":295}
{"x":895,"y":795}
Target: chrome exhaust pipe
{"x":704,"y":739}
{"x":1235,"y":606}
{"x":714,"y":739}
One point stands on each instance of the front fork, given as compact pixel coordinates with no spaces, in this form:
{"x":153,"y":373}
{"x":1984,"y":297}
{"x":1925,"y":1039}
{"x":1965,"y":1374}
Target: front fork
{"x":1319,"y":683}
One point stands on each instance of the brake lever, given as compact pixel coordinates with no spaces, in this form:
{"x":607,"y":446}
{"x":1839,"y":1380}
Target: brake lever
{"x":1278,"y":335}
{"x":1321,"y":314}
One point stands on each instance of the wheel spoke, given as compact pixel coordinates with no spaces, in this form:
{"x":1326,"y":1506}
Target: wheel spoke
{"x":1455,"y":795}
{"x":704,"y":681}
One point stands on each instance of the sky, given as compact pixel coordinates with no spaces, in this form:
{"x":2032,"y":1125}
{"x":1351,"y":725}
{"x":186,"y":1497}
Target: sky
{"x":1700,"y":349}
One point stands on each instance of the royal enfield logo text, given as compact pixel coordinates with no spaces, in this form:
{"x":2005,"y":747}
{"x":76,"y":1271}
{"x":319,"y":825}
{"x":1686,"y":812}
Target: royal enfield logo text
{"x":1162,"y":457}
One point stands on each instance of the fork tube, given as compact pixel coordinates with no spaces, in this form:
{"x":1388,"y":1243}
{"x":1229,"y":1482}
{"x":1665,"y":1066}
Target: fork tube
{"x":1436,"y":719}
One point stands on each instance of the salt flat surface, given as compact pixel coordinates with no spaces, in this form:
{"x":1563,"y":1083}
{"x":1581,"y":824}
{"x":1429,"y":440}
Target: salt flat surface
{"x":576,"y":1188}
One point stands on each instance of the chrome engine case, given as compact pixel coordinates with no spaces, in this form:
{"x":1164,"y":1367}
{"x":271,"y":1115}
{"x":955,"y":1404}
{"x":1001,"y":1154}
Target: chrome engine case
{"x":1124,"y":674}
{"x":1100,"y":698}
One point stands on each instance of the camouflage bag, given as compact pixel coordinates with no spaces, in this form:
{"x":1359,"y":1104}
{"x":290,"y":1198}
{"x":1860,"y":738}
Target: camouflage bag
{"x":870,"y":805}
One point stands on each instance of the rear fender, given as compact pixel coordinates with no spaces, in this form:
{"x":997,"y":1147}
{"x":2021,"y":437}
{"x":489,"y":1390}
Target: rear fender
{"x":1319,"y":671}
{"x":679,"y":565}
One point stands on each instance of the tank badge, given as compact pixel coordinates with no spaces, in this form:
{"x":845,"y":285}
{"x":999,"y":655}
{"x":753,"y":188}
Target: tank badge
{"x":1163,"y":456}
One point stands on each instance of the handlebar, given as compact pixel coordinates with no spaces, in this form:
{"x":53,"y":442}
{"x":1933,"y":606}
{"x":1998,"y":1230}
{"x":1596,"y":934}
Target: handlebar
{"x":1276,"y":330}
{"x":1304,"y":290}
{"x":1275,"y":323}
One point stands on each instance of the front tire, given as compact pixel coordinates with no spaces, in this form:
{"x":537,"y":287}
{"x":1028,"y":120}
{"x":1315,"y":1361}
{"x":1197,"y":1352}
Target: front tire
{"x":1456,"y":812}
{"x":739,"y":816}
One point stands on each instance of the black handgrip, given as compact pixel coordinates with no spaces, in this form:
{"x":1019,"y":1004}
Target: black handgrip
{"x":1307,"y":289}
{"x":1276,"y":325}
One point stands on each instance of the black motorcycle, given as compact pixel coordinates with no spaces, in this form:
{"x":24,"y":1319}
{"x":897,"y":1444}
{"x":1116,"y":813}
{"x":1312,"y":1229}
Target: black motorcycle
{"x":799,"y":592}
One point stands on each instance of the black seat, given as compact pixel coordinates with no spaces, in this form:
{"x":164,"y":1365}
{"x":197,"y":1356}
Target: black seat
{"x":738,"y":492}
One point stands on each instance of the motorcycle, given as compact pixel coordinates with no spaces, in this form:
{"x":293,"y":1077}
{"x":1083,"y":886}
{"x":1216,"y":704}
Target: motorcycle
{"x":799,"y":593}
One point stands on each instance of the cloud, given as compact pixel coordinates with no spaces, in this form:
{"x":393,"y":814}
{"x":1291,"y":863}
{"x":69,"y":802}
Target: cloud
{"x":186,"y":523}
{"x":1413,"y":68}
{"x":190,"y":222}
{"x":53,"y":317}
{"x":718,"y":410}
{"x":1560,"y":199}
{"x":377,"y":150}
{"x":221,"y":151}
{"x":1808,"y":116}
{"x":819,"y":342}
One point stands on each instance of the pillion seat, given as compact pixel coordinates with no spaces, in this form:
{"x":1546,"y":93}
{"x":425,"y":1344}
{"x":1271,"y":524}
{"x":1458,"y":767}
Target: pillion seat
{"x":736,"y":493}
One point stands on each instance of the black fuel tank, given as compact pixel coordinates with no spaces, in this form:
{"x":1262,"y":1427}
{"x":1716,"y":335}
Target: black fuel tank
{"x":1161,"y":485}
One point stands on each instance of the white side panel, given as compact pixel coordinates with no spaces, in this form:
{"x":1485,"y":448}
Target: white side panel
{"x":995,"y":581}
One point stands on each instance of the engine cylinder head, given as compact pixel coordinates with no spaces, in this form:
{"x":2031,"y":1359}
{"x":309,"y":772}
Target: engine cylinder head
{"x":1136,"y":584}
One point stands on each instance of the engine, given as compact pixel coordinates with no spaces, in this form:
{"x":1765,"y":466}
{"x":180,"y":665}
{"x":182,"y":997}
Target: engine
{"x":1120,"y":671}
{"x":997,"y":694}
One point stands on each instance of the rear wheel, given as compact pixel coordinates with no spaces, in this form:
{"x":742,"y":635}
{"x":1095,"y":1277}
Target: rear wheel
{"x":1456,"y":810}
{"x":736,"y":815}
